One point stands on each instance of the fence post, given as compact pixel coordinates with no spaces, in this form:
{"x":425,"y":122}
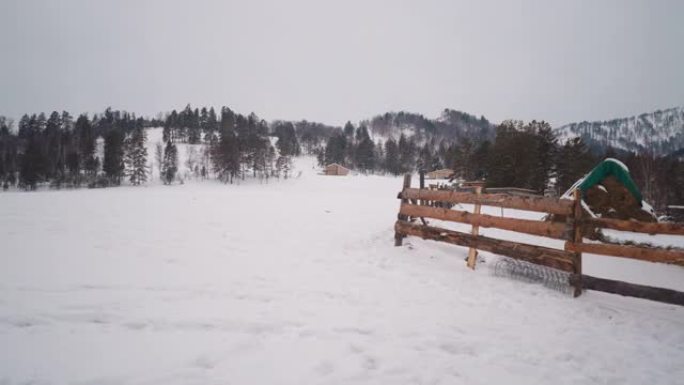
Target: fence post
{"x":398,"y":237}
{"x":472,"y":252}
{"x":421,"y":173}
{"x":577,"y":238}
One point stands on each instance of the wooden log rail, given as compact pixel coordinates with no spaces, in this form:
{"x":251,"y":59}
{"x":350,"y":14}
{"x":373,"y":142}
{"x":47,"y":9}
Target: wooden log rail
{"x":649,"y":254}
{"x":636,"y":226}
{"x":530,"y":203}
{"x":629,"y":289}
{"x":545,"y":229}
{"x":512,"y":191}
{"x":558,"y":259}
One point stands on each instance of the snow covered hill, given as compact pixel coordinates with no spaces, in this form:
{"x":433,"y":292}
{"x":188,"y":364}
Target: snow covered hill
{"x":451,"y":125}
{"x":661,"y":132}
{"x":297,"y":282}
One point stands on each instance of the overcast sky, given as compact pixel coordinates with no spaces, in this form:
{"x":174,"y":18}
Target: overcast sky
{"x":333,"y":61}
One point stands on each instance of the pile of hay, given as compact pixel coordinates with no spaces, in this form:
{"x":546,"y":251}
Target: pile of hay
{"x":608,"y":191}
{"x":611,"y":199}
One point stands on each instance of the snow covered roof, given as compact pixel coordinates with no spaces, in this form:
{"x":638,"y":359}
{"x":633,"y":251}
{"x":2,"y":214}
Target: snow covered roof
{"x":336,"y":165}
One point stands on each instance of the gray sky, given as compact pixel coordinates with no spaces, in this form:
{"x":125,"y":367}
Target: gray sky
{"x":333,"y":61}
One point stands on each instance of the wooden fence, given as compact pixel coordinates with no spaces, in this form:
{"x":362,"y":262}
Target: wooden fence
{"x":419,"y":203}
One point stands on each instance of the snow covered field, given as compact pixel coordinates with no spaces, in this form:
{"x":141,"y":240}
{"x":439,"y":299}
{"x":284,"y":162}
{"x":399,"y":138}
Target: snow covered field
{"x":296,"y":282}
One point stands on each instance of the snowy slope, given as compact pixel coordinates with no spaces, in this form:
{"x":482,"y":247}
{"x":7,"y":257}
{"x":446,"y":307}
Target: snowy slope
{"x":661,"y":132}
{"x":193,"y":152}
{"x":296,"y":282}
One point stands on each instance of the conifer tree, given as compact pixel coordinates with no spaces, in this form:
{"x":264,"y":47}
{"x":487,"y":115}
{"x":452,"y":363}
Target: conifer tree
{"x":212,"y":121}
{"x":33,"y":164}
{"x":287,"y":143}
{"x":53,"y":142}
{"x":170,"y":163}
{"x":392,"y":162}
{"x":225,"y":157}
{"x":86,"y":145}
{"x":545,"y":147}
{"x":136,"y":157}
{"x":463,"y":159}
{"x":574,"y":161}
{"x":8,"y":154}
{"x":407,"y":154}
{"x":364,"y":153}
{"x":480,"y":160}
{"x":192,"y":124}
{"x":349,"y":130}
{"x":113,"y":165}
{"x":159,"y":158}
{"x":203,"y":119}
{"x":335,"y":149}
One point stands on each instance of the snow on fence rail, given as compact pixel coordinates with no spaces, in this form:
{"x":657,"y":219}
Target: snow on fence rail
{"x":418,"y":203}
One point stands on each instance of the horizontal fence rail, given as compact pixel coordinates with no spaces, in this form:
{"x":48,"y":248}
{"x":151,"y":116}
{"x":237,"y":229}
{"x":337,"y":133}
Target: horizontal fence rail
{"x":650,"y":254}
{"x":558,"y":259}
{"x":636,"y":226}
{"x":530,"y":203}
{"x":629,"y":289}
{"x":418,"y":204}
{"x":540,"y":228}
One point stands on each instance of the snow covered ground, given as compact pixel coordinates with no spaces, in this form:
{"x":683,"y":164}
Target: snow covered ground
{"x":296,"y":282}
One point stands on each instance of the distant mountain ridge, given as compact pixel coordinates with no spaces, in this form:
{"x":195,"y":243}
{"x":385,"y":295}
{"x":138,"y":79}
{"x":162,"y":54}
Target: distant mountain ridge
{"x":660,"y":132}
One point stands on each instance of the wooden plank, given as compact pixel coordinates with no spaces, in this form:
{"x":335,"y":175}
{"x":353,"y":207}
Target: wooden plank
{"x":541,"y":228}
{"x":629,"y":289}
{"x":577,"y":238}
{"x":513,"y":191}
{"x":637,"y":226}
{"x":531,"y":203}
{"x":472,"y":252}
{"x":558,"y":259}
{"x":398,"y":237}
{"x":650,"y":254}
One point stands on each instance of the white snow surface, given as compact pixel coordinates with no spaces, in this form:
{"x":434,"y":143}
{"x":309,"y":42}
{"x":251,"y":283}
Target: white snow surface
{"x":298,"y":282}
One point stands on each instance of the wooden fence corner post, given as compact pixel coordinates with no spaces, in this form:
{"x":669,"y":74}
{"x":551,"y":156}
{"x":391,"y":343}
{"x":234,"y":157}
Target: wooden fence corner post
{"x":472,"y":252}
{"x":399,"y":237}
{"x":577,"y":238}
{"x":421,"y":173}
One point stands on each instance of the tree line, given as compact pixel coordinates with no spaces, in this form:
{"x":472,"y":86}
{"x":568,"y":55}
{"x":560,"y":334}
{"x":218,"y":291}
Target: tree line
{"x":61,"y":152}
{"x":525,"y":155}
{"x":242,"y":146}
{"x":237,"y":145}
{"x":111,"y":147}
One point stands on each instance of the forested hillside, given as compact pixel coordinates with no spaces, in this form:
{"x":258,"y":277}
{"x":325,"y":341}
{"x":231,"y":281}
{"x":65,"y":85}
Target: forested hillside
{"x":660,"y":132}
{"x":451,"y":125}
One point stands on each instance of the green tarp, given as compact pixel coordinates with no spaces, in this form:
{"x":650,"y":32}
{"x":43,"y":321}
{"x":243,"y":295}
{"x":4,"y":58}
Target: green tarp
{"x":611,"y":167}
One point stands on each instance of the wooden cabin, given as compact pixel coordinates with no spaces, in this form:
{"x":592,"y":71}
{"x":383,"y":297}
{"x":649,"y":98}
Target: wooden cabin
{"x":335,"y":169}
{"x":444,"y":173}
